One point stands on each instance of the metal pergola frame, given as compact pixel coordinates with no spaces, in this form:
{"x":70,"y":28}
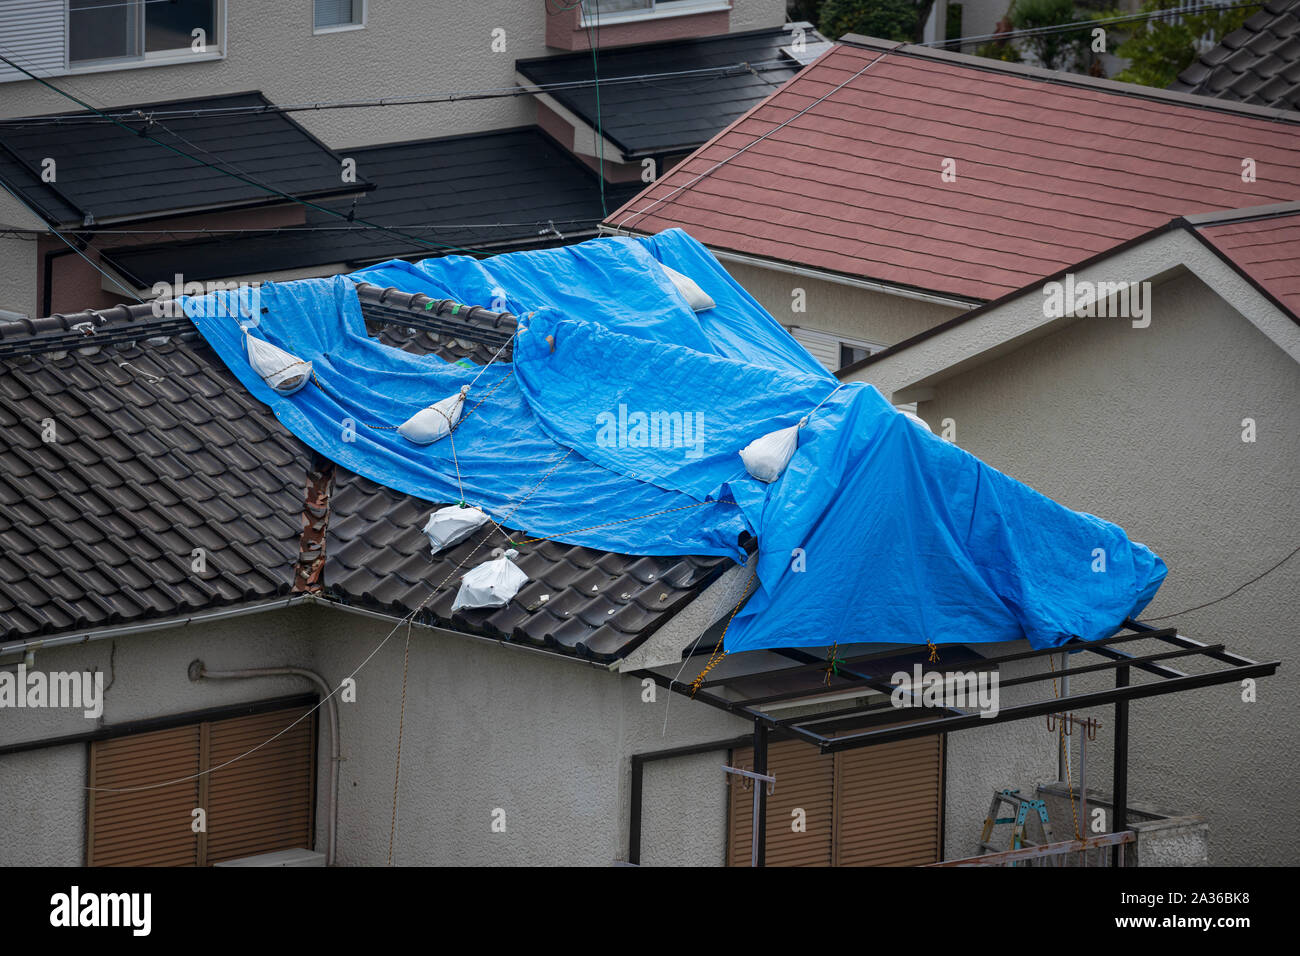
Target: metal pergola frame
{"x":866,"y":725}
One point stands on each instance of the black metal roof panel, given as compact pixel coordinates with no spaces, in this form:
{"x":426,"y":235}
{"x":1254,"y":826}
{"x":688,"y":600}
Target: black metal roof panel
{"x":156,"y":450}
{"x":1258,"y":63}
{"x":496,"y":190}
{"x":111,"y":173}
{"x":670,"y":115}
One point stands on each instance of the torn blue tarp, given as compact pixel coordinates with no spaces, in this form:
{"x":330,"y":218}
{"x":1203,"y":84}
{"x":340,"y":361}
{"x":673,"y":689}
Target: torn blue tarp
{"x":631,"y":428}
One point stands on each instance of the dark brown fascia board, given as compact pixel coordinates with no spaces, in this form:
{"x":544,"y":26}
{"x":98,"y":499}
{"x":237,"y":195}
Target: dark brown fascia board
{"x":1072,"y":79}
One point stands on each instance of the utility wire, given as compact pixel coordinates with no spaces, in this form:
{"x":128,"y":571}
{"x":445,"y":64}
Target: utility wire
{"x":108,"y":116}
{"x":1165,"y":617}
{"x":73,"y":246}
{"x":244,"y":179}
{"x":1078,"y":25}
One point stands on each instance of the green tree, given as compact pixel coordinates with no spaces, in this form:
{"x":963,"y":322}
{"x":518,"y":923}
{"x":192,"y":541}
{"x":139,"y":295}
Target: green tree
{"x":886,"y":19}
{"x":1159,"y":49}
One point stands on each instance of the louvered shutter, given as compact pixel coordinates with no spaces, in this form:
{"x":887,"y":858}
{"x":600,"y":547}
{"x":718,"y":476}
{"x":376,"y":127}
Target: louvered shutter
{"x":259,"y":804}
{"x":804,"y":780}
{"x":889,"y":803}
{"x":143,"y":827}
{"x":33,"y":33}
{"x":263,"y":802}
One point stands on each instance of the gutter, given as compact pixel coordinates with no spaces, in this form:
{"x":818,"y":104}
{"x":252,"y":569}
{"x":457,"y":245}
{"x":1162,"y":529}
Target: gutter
{"x":108,"y":633}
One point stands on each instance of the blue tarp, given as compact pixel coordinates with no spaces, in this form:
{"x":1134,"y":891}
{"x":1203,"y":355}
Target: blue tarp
{"x":878,"y":530}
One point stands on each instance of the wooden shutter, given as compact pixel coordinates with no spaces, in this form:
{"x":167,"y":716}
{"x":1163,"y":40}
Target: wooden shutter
{"x":263,"y":802}
{"x":143,"y":827}
{"x":889,"y":803}
{"x":259,"y":804}
{"x":804,"y":779}
{"x":875,"y":806}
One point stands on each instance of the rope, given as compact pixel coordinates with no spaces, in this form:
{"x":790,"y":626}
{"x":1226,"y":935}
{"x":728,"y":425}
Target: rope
{"x":405,"y":664}
{"x":718,"y":653}
{"x":1069,"y":774}
{"x":610,"y":524}
{"x":401,"y":723}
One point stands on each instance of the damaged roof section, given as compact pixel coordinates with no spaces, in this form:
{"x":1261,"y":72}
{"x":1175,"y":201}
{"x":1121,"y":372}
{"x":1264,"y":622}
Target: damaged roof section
{"x":140,"y":481}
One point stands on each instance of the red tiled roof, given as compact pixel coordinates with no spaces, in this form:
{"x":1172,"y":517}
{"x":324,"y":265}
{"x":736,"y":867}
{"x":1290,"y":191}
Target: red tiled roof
{"x":1266,"y":250}
{"x":1051,"y":169}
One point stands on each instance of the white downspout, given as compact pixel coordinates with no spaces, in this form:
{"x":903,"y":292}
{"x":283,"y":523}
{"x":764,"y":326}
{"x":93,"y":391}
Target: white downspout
{"x":199,"y":671}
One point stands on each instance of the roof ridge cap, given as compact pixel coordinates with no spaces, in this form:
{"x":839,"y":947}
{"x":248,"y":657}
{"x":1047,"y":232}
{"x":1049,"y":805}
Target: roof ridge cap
{"x":1063,"y":78}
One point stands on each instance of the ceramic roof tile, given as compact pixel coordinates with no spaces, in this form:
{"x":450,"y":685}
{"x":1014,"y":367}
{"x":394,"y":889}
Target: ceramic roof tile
{"x":1048,"y":171}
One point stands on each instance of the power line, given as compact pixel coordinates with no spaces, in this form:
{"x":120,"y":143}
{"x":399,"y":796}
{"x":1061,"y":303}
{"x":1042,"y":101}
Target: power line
{"x":73,"y":246}
{"x":1079,"y":25}
{"x":1165,"y":617}
{"x":109,"y":116}
{"x":244,"y":179}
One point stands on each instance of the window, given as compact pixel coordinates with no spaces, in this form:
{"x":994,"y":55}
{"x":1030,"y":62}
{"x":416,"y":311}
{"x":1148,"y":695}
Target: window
{"x":852,"y":353}
{"x":258,"y":804}
{"x":105,"y":30}
{"x":611,"y":11}
{"x":339,"y":15}
{"x":874,"y":806}
{"x":833,"y":350}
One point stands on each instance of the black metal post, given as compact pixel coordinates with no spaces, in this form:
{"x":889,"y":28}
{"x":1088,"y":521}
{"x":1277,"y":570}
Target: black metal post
{"x":634,"y":824}
{"x":760,"y":766}
{"x":1120,"y":782}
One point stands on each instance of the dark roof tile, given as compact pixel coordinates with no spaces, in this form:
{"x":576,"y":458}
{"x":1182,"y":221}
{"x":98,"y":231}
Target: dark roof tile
{"x":1252,"y":64}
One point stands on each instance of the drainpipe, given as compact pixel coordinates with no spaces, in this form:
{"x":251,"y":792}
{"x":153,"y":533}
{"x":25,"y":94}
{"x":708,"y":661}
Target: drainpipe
{"x":199,"y":671}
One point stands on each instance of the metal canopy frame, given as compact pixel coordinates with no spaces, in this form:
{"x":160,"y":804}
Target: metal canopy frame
{"x":870,"y":724}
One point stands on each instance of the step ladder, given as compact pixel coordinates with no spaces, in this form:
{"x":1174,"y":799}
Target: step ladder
{"x":1021,"y":809}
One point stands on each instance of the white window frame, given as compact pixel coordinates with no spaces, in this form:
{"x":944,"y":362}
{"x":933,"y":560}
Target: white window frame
{"x":342,"y":27}
{"x":160,"y":58}
{"x":678,"y":8}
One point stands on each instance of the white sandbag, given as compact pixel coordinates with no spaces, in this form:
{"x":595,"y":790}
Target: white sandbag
{"x":914,"y":417}
{"x":765,"y":458}
{"x":695,"y":297}
{"x":282,"y":371}
{"x":452,"y":525}
{"x":429,"y":424}
{"x":492,"y":584}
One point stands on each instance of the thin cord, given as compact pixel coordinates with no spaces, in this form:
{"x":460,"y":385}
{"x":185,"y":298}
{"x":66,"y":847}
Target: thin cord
{"x":71,"y":245}
{"x":1165,"y":617}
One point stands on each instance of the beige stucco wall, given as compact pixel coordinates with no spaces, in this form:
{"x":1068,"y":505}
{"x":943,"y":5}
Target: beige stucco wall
{"x":407,"y":48}
{"x":1143,"y":427}
{"x":870,"y":316}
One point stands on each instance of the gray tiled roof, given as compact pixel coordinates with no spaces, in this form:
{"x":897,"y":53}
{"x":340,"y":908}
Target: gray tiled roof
{"x":114,"y":174}
{"x":677,"y":114}
{"x":496,"y":190}
{"x":1258,"y":63}
{"x":159,"y":450}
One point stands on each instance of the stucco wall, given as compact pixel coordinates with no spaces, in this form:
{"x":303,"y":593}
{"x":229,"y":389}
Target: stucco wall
{"x":487,"y":726}
{"x":875,"y":317}
{"x":42,"y":792}
{"x":406,"y":49}
{"x":1144,"y":427}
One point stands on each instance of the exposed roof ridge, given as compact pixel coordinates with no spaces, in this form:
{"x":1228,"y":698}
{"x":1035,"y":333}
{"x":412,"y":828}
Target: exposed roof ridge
{"x":60,"y":331}
{"x":1062,"y":78}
